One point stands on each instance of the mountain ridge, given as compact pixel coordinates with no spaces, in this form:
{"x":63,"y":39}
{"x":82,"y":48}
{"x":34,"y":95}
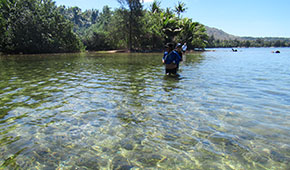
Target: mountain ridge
{"x":222,"y":35}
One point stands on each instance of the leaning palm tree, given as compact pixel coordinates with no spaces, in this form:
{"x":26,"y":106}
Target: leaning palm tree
{"x":180,"y":8}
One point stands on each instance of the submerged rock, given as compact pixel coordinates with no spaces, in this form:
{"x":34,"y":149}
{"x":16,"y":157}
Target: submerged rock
{"x":279,"y":157}
{"x":151,"y":160}
{"x":128,"y":146}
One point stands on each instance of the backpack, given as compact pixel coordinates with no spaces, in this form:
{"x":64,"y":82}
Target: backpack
{"x":171,"y":65}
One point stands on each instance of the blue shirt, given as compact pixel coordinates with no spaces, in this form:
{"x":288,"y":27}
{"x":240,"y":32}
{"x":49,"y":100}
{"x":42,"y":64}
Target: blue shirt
{"x":172,"y":57}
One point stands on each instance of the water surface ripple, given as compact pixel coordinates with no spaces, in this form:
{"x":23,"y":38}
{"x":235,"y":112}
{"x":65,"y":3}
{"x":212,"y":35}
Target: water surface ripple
{"x":90,"y":111}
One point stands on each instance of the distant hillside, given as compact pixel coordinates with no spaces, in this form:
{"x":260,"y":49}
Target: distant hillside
{"x":221,"y":35}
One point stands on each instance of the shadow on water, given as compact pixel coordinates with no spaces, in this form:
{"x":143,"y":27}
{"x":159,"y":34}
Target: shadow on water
{"x":170,"y":82}
{"x":193,"y":58}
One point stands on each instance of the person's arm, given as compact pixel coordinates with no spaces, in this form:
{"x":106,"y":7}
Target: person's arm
{"x":184,"y":47}
{"x":163,"y":58}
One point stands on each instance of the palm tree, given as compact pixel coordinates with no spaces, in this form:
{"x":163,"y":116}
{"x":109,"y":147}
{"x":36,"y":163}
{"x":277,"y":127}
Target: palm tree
{"x":155,"y":7}
{"x":180,"y":8}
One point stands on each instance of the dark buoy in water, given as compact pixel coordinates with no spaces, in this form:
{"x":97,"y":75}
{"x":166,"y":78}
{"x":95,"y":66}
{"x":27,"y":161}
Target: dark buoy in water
{"x":276,"y":51}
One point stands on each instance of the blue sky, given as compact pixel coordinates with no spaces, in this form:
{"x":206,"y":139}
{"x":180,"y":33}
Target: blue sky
{"x":257,"y":18}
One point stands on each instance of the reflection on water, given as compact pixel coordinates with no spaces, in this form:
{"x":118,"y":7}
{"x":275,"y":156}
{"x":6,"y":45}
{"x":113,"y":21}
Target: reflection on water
{"x":225,"y":111}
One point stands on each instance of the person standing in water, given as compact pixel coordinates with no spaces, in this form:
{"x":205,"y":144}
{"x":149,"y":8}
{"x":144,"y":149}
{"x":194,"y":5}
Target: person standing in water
{"x":184,"y":47}
{"x":171,"y":60}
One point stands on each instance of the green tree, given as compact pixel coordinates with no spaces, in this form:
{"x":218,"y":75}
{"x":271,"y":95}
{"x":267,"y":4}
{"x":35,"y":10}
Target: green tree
{"x":247,"y":43}
{"x":119,"y":28}
{"x":180,"y":8}
{"x":36,"y":26}
{"x":277,"y":43}
{"x":187,"y":30}
{"x":153,"y":25}
{"x":155,"y":7}
{"x":135,"y":13}
{"x":2,"y":26}
{"x":196,"y":34}
{"x":211,"y":42}
{"x":259,"y":42}
{"x":105,"y":18}
{"x":170,"y":26}
{"x":81,"y":20}
{"x":97,"y":37}
{"x":77,"y":16}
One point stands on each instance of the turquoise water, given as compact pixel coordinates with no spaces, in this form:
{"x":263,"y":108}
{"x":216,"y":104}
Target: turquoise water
{"x":97,"y":111}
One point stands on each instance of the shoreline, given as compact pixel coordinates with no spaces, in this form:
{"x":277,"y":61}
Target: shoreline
{"x":99,"y":52}
{"x":124,"y":51}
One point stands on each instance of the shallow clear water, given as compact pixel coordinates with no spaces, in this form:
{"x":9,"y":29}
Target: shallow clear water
{"x":97,"y":111}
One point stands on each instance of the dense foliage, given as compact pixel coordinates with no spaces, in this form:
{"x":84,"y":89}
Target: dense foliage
{"x":132,"y":27}
{"x":35,"y":26}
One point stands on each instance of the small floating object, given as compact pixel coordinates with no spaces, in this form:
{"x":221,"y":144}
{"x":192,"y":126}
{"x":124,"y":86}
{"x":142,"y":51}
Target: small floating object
{"x":276,"y":51}
{"x":234,"y":50}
